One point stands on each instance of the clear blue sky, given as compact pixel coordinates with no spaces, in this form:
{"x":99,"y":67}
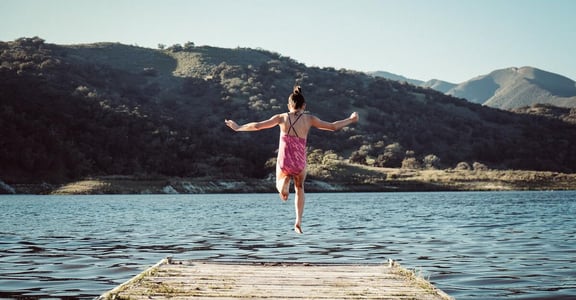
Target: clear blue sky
{"x":452,"y":40}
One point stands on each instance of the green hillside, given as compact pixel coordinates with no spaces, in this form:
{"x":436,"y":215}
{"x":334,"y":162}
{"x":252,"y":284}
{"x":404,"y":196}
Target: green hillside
{"x":68,"y":112}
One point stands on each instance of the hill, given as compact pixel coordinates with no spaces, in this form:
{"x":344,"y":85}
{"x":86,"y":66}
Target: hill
{"x":508,"y":89}
{"x":397,"y":77}
{"x":436,"y":84}
{"x":439,"y":85}
{"x":70,"y":112}
{"x":518,"y":87}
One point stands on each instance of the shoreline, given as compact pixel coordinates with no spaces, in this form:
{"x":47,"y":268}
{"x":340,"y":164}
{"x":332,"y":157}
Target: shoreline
{"x":346,"y":178}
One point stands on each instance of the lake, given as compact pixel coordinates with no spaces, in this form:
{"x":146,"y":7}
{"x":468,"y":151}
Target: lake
{"x":472,"y":245}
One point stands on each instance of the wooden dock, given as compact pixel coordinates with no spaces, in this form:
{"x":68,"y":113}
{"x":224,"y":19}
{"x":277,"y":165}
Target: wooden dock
{"x":171,"y":279}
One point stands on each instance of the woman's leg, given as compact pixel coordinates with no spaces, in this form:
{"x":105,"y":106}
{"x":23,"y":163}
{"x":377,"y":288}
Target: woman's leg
{"x":282,"y":183}
{"x":300,"y":200}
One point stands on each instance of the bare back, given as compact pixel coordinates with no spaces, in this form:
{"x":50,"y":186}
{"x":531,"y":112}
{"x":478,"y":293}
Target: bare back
{"x":295,"y":124}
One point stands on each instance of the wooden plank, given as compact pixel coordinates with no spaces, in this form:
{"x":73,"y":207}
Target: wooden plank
{"x":218,"y":280}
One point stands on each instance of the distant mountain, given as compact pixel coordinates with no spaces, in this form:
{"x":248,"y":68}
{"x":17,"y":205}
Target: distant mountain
{"x":506,"y":88}
{"x":396,"y":77}
{"x":68,"y":112}
{"x":518,"y":87}
{"x":435,"y":84}
{"x":439,"y":85}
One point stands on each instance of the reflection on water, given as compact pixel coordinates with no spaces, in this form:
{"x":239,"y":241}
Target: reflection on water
{"x":513,"y":245}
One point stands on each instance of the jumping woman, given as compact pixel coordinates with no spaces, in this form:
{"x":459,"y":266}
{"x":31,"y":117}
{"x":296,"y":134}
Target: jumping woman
{"x":291,"y":162}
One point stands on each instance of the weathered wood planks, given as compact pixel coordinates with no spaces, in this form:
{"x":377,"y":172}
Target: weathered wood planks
{"x":217,"y":280}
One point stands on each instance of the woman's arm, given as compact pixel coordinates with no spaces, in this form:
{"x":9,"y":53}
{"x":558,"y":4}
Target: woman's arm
{"x":254,"y":126}
{"x":323,"y":125}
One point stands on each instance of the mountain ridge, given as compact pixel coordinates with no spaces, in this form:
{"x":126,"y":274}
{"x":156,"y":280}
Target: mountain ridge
{"x":508,"y":88}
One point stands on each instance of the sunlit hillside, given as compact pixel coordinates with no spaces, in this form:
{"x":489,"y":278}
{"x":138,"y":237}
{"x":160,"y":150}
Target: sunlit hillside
{"x":518,"y":87}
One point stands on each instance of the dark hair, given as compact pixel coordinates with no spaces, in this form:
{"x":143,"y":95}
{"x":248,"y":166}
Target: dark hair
{"x":296,"y":99}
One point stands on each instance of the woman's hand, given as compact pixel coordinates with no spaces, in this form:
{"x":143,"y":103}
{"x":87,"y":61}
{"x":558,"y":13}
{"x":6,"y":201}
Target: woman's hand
{"x":354,"y":117}
{"x":231,"y":124}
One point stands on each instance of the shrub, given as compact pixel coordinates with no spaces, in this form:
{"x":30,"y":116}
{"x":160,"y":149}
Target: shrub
{"x":392,"y":156}
{"x":330,"y":157}
{"x":463,"y":166}
{"x":175,"y":48}
{"x":431,"y":161}
{"x":479,"y":166}
{"x":189,"y":46}
{"x":358,"y":157}
{"x":411,"y":163}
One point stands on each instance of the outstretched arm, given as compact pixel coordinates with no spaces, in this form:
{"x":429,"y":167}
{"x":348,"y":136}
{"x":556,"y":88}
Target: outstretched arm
{"x":254,"y":126}
{"x":323,"y":125}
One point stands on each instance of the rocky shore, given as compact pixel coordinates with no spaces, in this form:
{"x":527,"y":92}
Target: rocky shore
{"x":348,"y":178}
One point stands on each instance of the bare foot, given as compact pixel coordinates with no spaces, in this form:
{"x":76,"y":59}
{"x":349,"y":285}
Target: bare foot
{"x":285,"y":191}
{"x":298,"y":229}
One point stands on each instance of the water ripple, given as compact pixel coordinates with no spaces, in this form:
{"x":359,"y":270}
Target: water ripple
{"x":507,"y":245}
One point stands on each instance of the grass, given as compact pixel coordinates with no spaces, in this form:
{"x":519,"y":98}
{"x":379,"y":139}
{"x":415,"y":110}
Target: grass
{"x":160,"y":288}
{"x":337,"y":176}
{"x":419,"y":280}
{"x":360,"y":177}
{"x":82,"y":187}
{"x":114,"y":294}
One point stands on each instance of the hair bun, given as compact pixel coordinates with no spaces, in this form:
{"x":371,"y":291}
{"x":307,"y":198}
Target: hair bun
{"x":297,"y":90}
{"x":296,"y":99}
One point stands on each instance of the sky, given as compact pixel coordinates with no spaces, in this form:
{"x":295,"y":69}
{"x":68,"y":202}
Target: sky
{"x":451,"y":40}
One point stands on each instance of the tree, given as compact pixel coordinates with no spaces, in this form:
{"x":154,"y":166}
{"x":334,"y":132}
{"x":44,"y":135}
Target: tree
{"x":411,"y":163}
{"x":464,"y":166}
{"x":431,"y":161}
{"x":479,"y":166}
{"x":358,"y":157}
{"x":175,"y":48}
{"x":392,"y":156}
{"x":189,"y":46}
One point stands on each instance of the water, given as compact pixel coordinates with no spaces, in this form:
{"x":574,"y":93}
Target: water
{"x":477,"y":245}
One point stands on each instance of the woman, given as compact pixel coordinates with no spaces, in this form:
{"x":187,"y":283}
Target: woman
{"x":291,"y":163}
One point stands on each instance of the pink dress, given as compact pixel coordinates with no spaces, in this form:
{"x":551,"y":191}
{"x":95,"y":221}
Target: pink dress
{"x":291,"y":151}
